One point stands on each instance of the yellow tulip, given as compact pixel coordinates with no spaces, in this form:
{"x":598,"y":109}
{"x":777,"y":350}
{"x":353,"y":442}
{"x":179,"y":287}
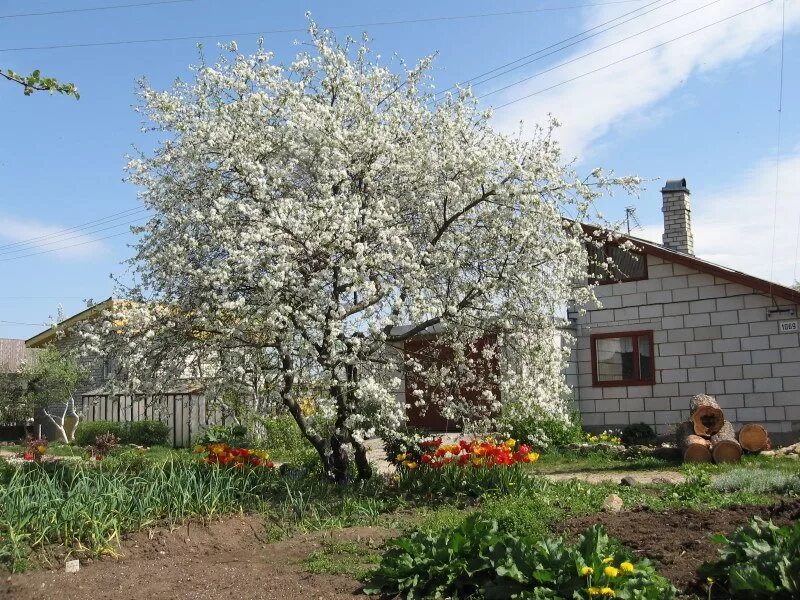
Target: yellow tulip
{"x":199,"y":449}
{"x":410,"y":464}
{"x":533,"y":456}
{"x":511,"y":442}
{"x":400,"y":457}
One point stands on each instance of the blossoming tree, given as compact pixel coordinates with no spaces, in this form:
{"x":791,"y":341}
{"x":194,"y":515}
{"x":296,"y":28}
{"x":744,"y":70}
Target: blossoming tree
{"x":311,"y":219}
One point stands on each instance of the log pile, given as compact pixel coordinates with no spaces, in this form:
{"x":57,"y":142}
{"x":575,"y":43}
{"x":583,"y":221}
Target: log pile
{"x":708,"y":437}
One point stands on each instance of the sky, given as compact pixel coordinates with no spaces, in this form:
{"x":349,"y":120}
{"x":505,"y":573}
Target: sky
{"x":662,"y":89}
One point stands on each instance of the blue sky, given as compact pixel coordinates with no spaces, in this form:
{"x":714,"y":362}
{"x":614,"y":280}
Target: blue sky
{"x":703,"y":107}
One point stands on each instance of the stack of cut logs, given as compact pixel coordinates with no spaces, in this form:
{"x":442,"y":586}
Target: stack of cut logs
{"x":708,"y":437}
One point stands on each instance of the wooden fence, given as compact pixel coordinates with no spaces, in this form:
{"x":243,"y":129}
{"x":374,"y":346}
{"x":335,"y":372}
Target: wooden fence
{"x":186,"y":414}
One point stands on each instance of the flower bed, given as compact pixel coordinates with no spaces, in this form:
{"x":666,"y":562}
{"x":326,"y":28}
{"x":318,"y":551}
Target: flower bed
{"x":466,"y":467}
{"x":230,"y":456}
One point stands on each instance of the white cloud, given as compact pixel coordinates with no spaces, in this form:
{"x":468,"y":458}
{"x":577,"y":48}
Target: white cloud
{"x":734,"y":226}
{"x":589,"y":107}
{"x":40,"y":237}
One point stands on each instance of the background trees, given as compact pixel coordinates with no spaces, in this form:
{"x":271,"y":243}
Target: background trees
{"x":311,"y":219}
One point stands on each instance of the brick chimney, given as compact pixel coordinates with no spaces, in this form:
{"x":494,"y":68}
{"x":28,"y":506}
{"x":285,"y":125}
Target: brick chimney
{"x":677,"y":217}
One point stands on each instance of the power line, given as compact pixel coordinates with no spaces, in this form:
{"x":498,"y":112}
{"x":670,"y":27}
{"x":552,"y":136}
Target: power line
{"x":303,"y":29}
{"x":18,"y":323}
{"x":621,"y":60}
{"x":98,"y":8}
{"x":89,"y":224}
{"x":596,"y":50}
{"x":577,"y":35}
{"x":64,"y":247}
{"x":61,"y":240}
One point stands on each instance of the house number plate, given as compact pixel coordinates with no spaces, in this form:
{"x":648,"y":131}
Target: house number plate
{"x":788,"y":326}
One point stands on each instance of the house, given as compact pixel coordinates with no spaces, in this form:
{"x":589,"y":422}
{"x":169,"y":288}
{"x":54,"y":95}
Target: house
{"x":672,"y":325}
{"x":183,"y":408}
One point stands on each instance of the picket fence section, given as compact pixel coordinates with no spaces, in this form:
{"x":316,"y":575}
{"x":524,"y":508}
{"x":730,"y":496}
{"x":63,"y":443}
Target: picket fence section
{"x":186,"y":414}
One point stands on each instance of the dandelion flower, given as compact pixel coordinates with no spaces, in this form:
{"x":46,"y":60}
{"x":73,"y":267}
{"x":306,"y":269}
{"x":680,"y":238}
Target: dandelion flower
{"x":611,"y":571}
{"x":587,"y":571}
{"x":626,"y":567}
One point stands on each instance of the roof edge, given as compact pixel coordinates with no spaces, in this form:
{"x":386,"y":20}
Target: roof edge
{"x":43,"y":337}
{"x":769,"y":288}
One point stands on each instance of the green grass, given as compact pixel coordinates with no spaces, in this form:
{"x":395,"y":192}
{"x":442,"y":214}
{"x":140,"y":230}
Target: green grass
{"x":568,"y":461}
{"x":355,"y":559}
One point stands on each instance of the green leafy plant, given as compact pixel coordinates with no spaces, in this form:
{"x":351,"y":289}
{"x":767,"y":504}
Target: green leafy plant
{"x":477,"y":558}
{"x":141,"y":433}
{"x":233,"y":435}
{"x":88,"y":431}
{"x":758,"y":561}
{"x":544,"y":432}
{"x":146,"y":433}
{"x":638,"y":434}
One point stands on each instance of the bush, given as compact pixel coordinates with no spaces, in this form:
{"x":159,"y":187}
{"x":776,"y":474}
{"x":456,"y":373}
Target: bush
{"x":281,"y":434}
{"x":142,"y":433}
{"x":759,"y":561}
{"x":146,"y":433}
{"x":543,"y":431}
{"x":638,"y":434}
{"x":479,"y":559}
{"x":87,"y":432}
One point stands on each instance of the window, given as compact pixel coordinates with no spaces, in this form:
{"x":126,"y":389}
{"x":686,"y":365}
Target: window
{"x":622,"y":358}
{"x":626,"y":265}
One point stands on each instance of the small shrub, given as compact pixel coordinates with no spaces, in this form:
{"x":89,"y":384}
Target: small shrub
{"x":479,"y":559}
{"x":146,"y":433}
{"x":104,"y":444}
{"x":638,"y":434}
{"x":233,"y":435}
{"x":87,"y":432}
{"x":758,"y":561}
{"x":542,"y":431}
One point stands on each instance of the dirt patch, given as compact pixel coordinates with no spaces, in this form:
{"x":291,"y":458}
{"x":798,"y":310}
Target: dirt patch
{"x":677,"y":541}
{"x":227,"y":559}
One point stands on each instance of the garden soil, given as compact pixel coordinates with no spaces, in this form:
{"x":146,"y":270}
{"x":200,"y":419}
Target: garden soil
{"x":677,"y":541}
{"x":228,"y":560}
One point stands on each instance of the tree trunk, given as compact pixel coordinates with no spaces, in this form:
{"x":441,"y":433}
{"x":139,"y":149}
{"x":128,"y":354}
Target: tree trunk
{"x":706,"y":415}
{"x":754,"y":438}
{"x":724,"y":447}
{"x":694,"y":448}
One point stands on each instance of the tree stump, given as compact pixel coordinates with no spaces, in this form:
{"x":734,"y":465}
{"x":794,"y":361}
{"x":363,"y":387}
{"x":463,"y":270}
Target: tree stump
{"x":724,"y":447}
{"x":694,"y":448}
{"x":706,"y":415}
{"x":754,"y":438}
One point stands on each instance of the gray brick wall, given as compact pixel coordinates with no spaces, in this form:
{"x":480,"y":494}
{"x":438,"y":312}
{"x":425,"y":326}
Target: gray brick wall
{"x":710,"y":335}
